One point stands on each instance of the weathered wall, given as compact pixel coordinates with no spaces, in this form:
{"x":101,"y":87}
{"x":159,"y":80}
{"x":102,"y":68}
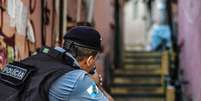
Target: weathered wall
{"x":104,"y":21}
{"x":190,"y":46}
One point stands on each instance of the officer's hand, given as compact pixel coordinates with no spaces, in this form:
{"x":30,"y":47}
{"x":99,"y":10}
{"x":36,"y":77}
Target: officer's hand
{"x":97,"y":78}
{"x":99,"y":82}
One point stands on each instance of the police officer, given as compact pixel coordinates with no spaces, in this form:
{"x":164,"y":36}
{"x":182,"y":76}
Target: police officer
{"x":60,"y":74}
{"x":82,"y":44}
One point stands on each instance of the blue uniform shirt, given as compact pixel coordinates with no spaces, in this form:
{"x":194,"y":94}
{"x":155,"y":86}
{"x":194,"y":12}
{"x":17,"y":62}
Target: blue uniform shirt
{"x":75,"y":86}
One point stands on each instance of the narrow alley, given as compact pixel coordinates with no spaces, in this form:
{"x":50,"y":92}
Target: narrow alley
{"x":150,"y":49}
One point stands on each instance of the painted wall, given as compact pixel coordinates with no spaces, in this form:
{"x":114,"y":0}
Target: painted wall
{"x":190,"y":46}
{"x":103,"y":20}
{"x":134,"y":29}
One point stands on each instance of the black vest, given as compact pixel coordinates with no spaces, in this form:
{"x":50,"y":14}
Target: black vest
{"x":34,"y":77}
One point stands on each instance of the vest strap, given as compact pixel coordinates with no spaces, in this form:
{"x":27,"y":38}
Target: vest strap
{"x":59,"y":56}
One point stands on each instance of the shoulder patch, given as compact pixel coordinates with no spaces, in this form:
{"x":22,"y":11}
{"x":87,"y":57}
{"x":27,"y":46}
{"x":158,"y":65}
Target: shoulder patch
{"x":93,"y":90}
{"x":15,"y":73}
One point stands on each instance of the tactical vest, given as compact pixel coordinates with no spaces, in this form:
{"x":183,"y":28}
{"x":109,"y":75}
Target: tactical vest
{"x":30,"y":79}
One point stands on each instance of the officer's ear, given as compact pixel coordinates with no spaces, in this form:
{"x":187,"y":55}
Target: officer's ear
{"x":90,"y":60}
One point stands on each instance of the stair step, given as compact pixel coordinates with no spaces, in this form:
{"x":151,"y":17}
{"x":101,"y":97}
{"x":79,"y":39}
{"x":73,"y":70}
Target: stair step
{"x":142,"y":63}
{"x":142,"y":53}
{"x":138,"y":75}
{"x":142,"y":66}
{"x":137,"y":81}
{"x":143,"y":95}
{"x":132,"y":56}
{"x":132,"y":72}
{"x":120,"y":85}
{"x":142,"y":60}
{"x":139,"y":99}
{"x":126,"y":90}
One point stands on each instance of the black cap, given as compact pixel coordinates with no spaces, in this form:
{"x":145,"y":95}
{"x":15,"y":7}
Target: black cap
{"x":86,"y":36}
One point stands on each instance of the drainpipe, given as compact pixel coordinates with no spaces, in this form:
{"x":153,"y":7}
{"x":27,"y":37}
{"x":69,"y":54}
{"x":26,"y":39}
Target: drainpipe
{"x":90,"y":10}
{"x":64,"y":16}
{"x":174,"y":71}
{"x":79,"y":4}
{"x":117,"y":40}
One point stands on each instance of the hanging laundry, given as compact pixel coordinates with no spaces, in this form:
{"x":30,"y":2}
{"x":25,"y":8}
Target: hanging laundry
{"x":30,"y":32}
{"x":8,"y":44}
{"x":11,"y":9}
{"x":22,"y":18}
{"x":3,"y":55}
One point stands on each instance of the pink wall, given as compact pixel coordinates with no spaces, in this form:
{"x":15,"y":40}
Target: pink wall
{"x":104,"y":19}
{"x":190,"y":45}
{"x":72,"y":10}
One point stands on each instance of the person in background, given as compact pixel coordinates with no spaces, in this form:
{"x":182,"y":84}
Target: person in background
{"x":161,"y":33}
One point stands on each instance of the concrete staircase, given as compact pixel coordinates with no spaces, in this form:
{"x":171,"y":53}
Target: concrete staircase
{"x":141,"y":78}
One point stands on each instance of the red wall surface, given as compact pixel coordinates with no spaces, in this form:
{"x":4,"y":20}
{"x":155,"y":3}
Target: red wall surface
{"x":104,"y":19}
{"x":190,"y":46}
